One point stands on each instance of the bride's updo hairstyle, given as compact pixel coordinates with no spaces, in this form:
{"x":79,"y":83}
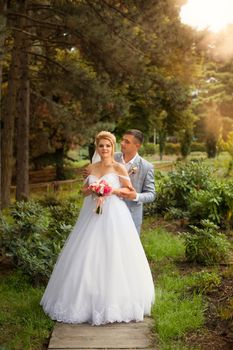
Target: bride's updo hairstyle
{"x":106,"y":135}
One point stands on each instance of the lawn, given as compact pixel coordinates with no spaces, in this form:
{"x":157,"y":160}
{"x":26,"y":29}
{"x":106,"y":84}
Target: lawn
{"x":23,"y":324}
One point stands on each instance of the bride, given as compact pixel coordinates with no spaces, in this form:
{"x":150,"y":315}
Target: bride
{"x":102,"y":274}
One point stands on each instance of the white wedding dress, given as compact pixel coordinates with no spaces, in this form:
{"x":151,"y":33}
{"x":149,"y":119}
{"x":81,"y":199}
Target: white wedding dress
{"x":102,"y":274}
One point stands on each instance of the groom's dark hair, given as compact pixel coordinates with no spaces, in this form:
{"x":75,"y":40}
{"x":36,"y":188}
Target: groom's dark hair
{"x":136,"y":133}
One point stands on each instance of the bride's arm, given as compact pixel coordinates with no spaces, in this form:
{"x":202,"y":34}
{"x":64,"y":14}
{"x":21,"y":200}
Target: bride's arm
{"x":126,"y":186}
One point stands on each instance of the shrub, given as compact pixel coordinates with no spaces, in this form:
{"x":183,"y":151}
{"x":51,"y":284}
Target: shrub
{"x":22,"y":238}
{"x":185,"y":142}
{"x":206,"y":245}
{"x":198,"y":147}
{"x":148,"y":149}
{"x":174,"y":213}
{"x":172,"y":148}
{"x":205,"y":282}
{"x":141,"y":151}
{"x":33,"y":235}
{"x":173,"y":189}
{"x":63,"y":217}
{"x":214,"y":203}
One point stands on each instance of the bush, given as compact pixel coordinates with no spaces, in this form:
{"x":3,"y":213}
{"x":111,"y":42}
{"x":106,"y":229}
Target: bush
{"x":214,"y":203}
{"x":63,"y":218}
{"x":198,"y":147}
{"x":33,"y":235}
{"x":205,"y":282}
{"x":148,"y":149}
{"x":172,"y":148}
{"x":21,"y":238}
{"x":173,"y":189}
{"x":206,"y":245}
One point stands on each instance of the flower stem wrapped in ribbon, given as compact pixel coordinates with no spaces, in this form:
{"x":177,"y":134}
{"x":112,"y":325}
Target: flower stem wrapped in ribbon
{"x":101,"y":189}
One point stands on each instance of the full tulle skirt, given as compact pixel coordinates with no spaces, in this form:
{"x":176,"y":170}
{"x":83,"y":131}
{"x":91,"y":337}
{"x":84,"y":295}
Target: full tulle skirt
{"x":102,"y":274}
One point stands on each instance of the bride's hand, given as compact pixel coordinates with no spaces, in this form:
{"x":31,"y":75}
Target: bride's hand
{"x":127,"y":193}
{"x":115,"y":191}
{"x":85,"y":191}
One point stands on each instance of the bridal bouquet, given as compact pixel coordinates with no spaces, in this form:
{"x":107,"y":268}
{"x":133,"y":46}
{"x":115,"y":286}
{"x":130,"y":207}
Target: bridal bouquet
{"x":101,"y":189}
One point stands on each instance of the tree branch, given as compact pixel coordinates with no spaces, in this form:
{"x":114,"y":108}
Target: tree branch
{"x":50,"y":60}
{"x":40,"y":38}
{"x":117,"y":10}
{"x":43,"y":23}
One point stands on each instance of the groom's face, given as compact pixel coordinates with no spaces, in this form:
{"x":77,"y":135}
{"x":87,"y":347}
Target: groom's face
{"x":129,"y":144}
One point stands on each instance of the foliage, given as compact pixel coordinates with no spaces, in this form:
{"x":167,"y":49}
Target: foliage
{"x":192,"y":193}
{"x":227,"y":145}
{"x":213,"y":127}
{"x":206,"y":245}
{"x":124,"y":63}
{"x":214,"y":203}
{"x":33,"y":235}
{"x":185,"y":141}
{"x":173,"y":190}
{"x":172,"y":148}
{"x":148,"y":149}
{"x":174,"y":213}
{"x":204,"y":282}
{"x":198,"y":147}
{"x":226,"y":313}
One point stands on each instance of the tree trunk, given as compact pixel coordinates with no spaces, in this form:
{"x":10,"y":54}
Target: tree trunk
{"x":162,"y":141}
{"x":8,"y":123}
{"x":22,"y":111}
{"x":59,"y":158}
{"x":3,"y":8}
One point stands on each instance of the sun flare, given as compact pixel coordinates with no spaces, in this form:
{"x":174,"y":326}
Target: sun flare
{"x":211,"y":14}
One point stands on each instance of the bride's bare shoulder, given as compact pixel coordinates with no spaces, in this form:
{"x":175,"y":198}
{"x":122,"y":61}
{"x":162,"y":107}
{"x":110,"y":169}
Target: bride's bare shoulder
{"x":120,"y":169}
{"x":92,"y":167}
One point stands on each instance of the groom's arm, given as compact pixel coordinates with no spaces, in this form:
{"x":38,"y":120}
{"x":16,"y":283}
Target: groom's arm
{"x":147,"y":193}
{"x":148,"y":189}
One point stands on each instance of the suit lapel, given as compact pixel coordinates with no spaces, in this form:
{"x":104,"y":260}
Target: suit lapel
{"x":134,"y":175}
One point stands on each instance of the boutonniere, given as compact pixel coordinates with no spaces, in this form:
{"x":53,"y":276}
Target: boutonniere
{"x":133,"y":170}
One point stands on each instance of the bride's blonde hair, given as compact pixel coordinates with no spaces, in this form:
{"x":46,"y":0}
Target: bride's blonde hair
{"x":106,"y":135}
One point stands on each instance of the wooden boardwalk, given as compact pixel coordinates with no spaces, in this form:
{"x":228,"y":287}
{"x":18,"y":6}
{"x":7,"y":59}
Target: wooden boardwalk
{"x":128,"y":336}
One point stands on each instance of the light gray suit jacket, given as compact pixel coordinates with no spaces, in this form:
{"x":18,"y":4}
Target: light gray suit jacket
{"x":143,"y":182}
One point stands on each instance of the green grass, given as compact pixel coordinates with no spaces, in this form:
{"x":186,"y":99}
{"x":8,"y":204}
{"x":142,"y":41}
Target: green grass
{"x":23,"y":324}
{"x":159,"y":245}
{"x":175,"y":314}
{"x":176,"y":310}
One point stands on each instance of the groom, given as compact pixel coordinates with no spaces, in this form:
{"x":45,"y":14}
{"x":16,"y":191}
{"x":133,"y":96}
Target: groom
{"x":141,"y":174}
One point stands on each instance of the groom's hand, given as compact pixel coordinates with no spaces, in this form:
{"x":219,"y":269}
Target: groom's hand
{"x":128,"y":193}
{"x":86,"y":172}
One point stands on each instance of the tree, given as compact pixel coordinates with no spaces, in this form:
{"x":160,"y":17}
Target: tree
{"x":22,"y":108}
{"x":124,"y":55}
{"x":36,"y":20}
{"x":3,"y":8}
{"x":213,"y":88}
{"x":227,"y":145}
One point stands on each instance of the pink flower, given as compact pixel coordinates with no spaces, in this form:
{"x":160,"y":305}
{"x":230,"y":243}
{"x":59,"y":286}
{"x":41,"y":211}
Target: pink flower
{"x":101,"y":189}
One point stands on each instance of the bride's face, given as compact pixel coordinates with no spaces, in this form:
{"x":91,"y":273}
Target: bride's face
{"x":104,"y":148}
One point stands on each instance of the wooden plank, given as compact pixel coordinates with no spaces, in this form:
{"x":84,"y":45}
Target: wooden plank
{"x":111,"y":336}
